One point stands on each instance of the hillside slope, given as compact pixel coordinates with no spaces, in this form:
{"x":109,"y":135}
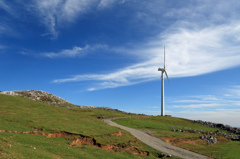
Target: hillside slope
{"x":209,"y":140}
{"x":51,"y":99}
{"x":31,"y":129}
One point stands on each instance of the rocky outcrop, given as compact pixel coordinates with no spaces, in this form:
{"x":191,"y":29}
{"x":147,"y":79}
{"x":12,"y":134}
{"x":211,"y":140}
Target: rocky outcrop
{"x":228,"y":128}
{"x":230,"y":133}
{"x":210,"y":139}
{"x":41,"y":96}
{"x":211,"y":133}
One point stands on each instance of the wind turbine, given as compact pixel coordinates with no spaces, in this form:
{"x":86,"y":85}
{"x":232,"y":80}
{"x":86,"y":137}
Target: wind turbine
{"x":162,"y":77}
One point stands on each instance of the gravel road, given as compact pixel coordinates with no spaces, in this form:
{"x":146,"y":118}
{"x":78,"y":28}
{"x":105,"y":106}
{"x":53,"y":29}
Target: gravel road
{"x":157,"y":143}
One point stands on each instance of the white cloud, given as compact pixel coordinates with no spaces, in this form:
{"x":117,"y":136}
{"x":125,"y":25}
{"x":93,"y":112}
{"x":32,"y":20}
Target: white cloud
{"x":217,"y":108}
{"x":120,"y":78}
{"x":73,"y":8}
{"x":228,"y":117}
{"x":71,"y":53}
{"x":107,"y":3}
{"x":221,"y":101}
{"x":7,"y":8}
{"x":193,"y":47}
{"x":7,"y":30}
{"x":234,"y":92}
{"x":195,"y":52}
{"x":188,"y":101}
{"x":198,"y":99}
{"x":188,"y":53}
{"x":198,"y":105}
{"x":74,"y":52}
{"x":47,"y":10}
{"x":55,"y":13}
{"x":222,"y":115}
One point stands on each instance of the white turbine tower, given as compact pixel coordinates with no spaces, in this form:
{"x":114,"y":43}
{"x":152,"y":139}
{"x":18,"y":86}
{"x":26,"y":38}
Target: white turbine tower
{"x":162,"y":77}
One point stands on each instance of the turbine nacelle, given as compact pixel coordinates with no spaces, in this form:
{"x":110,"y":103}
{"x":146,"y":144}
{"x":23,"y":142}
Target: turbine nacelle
{"x":161,"y":69}
{"x":164,"y":68}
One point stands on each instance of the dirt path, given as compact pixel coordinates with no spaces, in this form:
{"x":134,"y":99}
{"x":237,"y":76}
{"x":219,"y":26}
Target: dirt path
{"x":157,"y":143}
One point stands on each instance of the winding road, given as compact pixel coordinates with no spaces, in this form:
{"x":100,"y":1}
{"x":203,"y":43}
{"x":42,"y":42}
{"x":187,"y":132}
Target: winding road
{"x":157,"y":143}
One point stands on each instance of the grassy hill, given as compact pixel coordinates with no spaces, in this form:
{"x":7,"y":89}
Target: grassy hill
{"x":32,"y":129}
{"x":186,"y":134}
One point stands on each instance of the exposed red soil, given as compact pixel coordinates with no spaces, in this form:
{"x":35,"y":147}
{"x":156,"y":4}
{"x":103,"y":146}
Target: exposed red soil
{"x":81,"y":139}
{"x":223,"y":139}
{"x":184,"y":140}
{"x":134,"y":150}
{"x":117,"y":134}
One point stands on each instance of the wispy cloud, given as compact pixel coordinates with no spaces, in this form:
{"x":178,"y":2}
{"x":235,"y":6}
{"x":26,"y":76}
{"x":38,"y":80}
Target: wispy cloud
{"x":56,"y":13}
{"x":123,"y":77}
{"x":199,"y":99}
{"x":74,"y":52}
{"x":215,"y":108}
{"x":4,"y":5}
{"x":48,"y":13}
{"x":188,"y":53}
{"x":198,"y":105}
{"x":224,"y":116}
{"x":107,"y":3}
{"x":234,"y":92}
{"x":3,"y":29}
{"x":220,"y":100}
{"x":195,"y":45}
{"x":6,"y":30}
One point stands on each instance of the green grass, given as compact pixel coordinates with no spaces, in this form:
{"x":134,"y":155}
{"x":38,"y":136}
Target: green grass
{"x":161,"y":127}
{"x":20,"y":114}
{"x":22,"y":146}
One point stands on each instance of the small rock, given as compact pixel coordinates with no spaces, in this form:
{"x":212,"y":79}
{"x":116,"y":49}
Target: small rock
{"x":203,"y":137}
{"x":214,"y":140}
{"x":161,"y":155}
{"x":101,"y":117}
{"x":173,"y":129}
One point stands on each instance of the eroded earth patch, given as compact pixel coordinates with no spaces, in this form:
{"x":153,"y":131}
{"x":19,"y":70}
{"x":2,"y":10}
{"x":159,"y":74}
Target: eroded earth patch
{"x":81,"y":139}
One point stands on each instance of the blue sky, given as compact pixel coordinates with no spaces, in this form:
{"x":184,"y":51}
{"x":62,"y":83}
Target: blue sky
{"x":107,"y":53}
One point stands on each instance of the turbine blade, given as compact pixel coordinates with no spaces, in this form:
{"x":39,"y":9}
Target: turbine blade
{"x":167,"y":75}
{"x":164,"y":56}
